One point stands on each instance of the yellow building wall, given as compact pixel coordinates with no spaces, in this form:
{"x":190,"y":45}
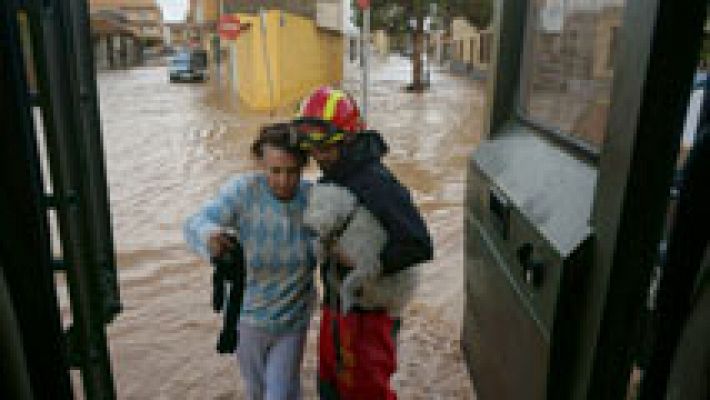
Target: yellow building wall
{"x":301,"y":57}
{"x":201,"y":11}
{"x":211,"y":10}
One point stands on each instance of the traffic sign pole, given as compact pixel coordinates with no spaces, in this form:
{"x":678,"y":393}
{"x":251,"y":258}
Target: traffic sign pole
{"x":230,"y":27}
{"x":365,"y":39}
{"x":267,"y":59}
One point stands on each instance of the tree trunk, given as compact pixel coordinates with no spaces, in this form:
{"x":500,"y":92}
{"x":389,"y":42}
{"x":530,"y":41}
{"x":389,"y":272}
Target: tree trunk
{"x":417,"y":82}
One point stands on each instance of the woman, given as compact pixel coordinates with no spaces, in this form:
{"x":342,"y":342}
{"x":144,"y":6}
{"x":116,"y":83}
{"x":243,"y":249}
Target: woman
{"x":264,"y":209}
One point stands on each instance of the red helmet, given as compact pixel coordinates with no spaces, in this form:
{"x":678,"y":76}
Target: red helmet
{"x":327,"y":116}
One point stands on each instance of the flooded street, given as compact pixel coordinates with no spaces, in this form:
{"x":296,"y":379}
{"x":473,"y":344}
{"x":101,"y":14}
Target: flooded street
{"x":170,"y":146}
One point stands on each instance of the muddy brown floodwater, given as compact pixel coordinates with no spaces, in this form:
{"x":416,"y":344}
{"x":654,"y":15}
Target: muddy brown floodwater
{"x":170,"y":146}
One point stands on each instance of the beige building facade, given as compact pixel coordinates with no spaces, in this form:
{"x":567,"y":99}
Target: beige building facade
{"x":381,"y":42}
{"x":114,"y":44}
{"x":179,"y":34}
{"x":605,"y":41}
{"x":144,"y":18}
{"x":203,"y":18}
{"x":470,"y":47}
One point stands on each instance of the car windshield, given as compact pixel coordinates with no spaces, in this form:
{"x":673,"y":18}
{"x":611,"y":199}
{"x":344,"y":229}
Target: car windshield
{"x":180,"y":61}
{"x":199,"y":59}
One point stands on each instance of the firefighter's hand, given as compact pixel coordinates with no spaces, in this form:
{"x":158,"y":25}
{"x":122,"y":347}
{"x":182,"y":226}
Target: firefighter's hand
{"x":218,"y":244}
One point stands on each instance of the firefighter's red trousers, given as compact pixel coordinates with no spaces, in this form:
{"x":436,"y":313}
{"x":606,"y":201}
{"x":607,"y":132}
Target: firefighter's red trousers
{"x":367,"y":356}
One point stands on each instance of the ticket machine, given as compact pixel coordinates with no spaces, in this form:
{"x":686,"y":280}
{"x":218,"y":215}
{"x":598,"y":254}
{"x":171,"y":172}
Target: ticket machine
{"x":566,"y":197}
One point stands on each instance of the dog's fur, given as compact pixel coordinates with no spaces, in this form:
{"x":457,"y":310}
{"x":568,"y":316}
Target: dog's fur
{"x":362,"y":241}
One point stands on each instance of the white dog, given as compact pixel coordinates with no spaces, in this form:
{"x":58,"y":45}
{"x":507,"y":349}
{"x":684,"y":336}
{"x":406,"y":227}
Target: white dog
{"x":334,"y":214}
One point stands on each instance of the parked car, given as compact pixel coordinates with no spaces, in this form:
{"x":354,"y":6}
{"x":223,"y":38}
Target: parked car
{"x":189,"y":65}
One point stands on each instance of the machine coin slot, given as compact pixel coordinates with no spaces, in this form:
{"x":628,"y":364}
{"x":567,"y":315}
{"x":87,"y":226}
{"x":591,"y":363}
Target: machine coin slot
{"x":500,"y":213}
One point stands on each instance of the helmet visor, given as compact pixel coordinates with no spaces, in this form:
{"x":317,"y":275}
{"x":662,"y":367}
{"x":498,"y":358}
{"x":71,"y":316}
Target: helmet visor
{"x":315,"y":132}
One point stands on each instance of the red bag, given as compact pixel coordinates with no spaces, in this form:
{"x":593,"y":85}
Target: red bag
{"x":366,"y":359}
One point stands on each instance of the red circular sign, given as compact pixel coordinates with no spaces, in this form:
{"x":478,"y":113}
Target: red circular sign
{"x":363,"y":4}
{"x":229,"y":27}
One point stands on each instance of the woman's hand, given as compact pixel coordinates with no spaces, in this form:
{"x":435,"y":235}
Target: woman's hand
{"x":218,"y":244}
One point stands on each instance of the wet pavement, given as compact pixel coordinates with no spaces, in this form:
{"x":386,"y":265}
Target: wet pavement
{"x":170,"y":146}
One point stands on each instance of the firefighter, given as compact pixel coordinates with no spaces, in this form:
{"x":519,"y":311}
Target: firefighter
{"x":357,"y":351}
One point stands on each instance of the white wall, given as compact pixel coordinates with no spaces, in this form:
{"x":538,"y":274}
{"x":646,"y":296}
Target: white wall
{"x":166,"y":35}
{"x":199,"y":11}
{"x":349,"y":17}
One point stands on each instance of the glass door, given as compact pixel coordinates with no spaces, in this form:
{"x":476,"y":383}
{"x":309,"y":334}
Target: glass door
{"x":566,"y":198}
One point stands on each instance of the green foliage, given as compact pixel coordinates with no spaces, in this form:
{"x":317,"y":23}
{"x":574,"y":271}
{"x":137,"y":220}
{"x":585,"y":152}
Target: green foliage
{"x":392,"y":15}
{"x":386,"y":15}
{"x":478,"y":12}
